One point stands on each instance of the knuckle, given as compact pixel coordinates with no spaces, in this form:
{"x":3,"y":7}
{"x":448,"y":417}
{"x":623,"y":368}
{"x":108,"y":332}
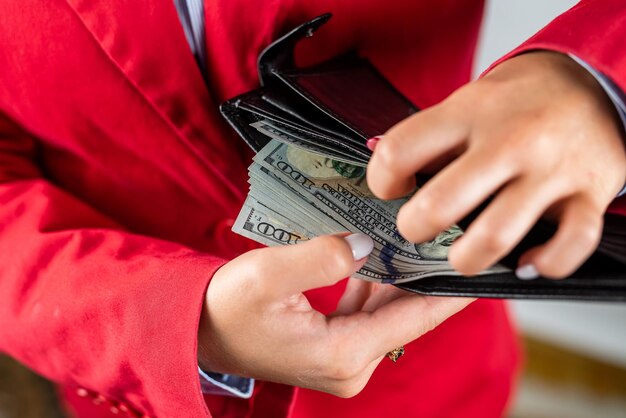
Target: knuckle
{"x":588,"y":233}
{"x":528,"y":143}
{"x":534,"y":147}
{"x":389,"y":150}
{"x":426,"y":205}
{"x":253,"y":264}
{"x":485,"y":94}
{"x":260,"y":264}
{"x":343,"y":369}
{"x":427,"y":209}
{"x":491,"y":238}
{"x":537,"y":144}
{"x":343,"y":364}
{"x":461,"y":263}
{"x":348,"y":389}
{"x":258,"y":259}
{"x":404,"y":222}
{"x":507,"y":155}
{"x":496,"y":242}
{"x":583,"y":240}
{"x":335,"y":257}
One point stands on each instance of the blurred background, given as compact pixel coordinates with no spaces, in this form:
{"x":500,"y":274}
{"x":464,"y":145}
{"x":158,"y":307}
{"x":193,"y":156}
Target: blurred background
{"x":576,"y":352}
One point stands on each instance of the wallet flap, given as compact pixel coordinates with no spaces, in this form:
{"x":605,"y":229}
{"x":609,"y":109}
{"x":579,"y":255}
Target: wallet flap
{"x":279,"y":55}
{"x":347,"y":88}
{"x":353,"y":95}
{"x":240,"y":120}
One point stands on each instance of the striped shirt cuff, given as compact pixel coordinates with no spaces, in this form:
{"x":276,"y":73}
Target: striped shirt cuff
{"x":615,"y":93}
{"x":226,"y":384}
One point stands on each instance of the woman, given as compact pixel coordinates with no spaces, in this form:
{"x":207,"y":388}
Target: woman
{"x":120,"y":182}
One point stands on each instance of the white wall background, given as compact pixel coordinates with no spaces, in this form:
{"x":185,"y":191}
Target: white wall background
{"x":598,"y":330}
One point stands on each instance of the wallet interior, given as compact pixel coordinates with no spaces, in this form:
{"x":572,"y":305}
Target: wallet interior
{"x":332,"y":108}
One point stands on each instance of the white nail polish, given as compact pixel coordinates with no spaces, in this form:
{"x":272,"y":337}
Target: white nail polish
{"x":360,"y":244}
{"x":527,"y":272}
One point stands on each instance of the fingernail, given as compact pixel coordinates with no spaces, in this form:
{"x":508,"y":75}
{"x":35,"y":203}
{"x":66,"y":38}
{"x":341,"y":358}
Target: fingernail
{"x":360,"y":244}
{"x":527,"y":272}
{"x":371,"y":143}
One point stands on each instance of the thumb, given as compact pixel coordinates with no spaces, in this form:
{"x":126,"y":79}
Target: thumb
{"x":320,"y":262}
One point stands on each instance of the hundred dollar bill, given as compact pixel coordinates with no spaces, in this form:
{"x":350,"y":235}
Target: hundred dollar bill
{"x":279,"y":202}
{"x":276,"y":204}
{"x":340,"y":191}
{"x":296,"y":195}
{"x":387,"y":255}
{"x":254,"y":223}
{"x":278,"y":196}
{"x":266,"y":227}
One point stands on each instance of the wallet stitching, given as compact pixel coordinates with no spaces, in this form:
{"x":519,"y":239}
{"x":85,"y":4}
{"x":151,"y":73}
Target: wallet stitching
{"x":602,"y":296}
{"x":520,"y":290}
{"x":527,"y":291}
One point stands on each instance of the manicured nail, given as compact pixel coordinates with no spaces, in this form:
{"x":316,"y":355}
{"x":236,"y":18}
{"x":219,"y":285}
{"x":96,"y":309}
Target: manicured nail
{"x":371,"y":143}
{"x":527,"y":272}
{"x":360,"y":244}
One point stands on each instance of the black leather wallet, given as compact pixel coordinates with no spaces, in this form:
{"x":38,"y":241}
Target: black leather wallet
{"x":336,"y":106}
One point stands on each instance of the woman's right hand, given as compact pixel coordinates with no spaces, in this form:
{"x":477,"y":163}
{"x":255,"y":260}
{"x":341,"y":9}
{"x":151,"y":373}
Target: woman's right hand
{"x":257,"y":323}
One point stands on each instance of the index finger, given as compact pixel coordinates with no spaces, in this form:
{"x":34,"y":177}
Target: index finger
{"x":410,"y":146}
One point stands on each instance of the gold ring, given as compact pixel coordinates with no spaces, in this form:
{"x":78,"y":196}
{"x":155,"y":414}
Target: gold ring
{"x":396,"y":353}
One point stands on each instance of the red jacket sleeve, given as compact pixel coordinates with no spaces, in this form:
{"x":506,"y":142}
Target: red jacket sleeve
{"x":84,"y":303}
{"x":595,"y":31}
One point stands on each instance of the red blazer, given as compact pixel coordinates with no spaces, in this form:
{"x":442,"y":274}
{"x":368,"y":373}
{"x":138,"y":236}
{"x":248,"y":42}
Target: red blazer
{"x":119,"y":183}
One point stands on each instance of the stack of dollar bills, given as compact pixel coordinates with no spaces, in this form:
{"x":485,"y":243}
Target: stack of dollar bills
{"x":296,"y":195}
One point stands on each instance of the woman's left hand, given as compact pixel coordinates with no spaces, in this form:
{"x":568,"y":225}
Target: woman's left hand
{"x":539,"y":134}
